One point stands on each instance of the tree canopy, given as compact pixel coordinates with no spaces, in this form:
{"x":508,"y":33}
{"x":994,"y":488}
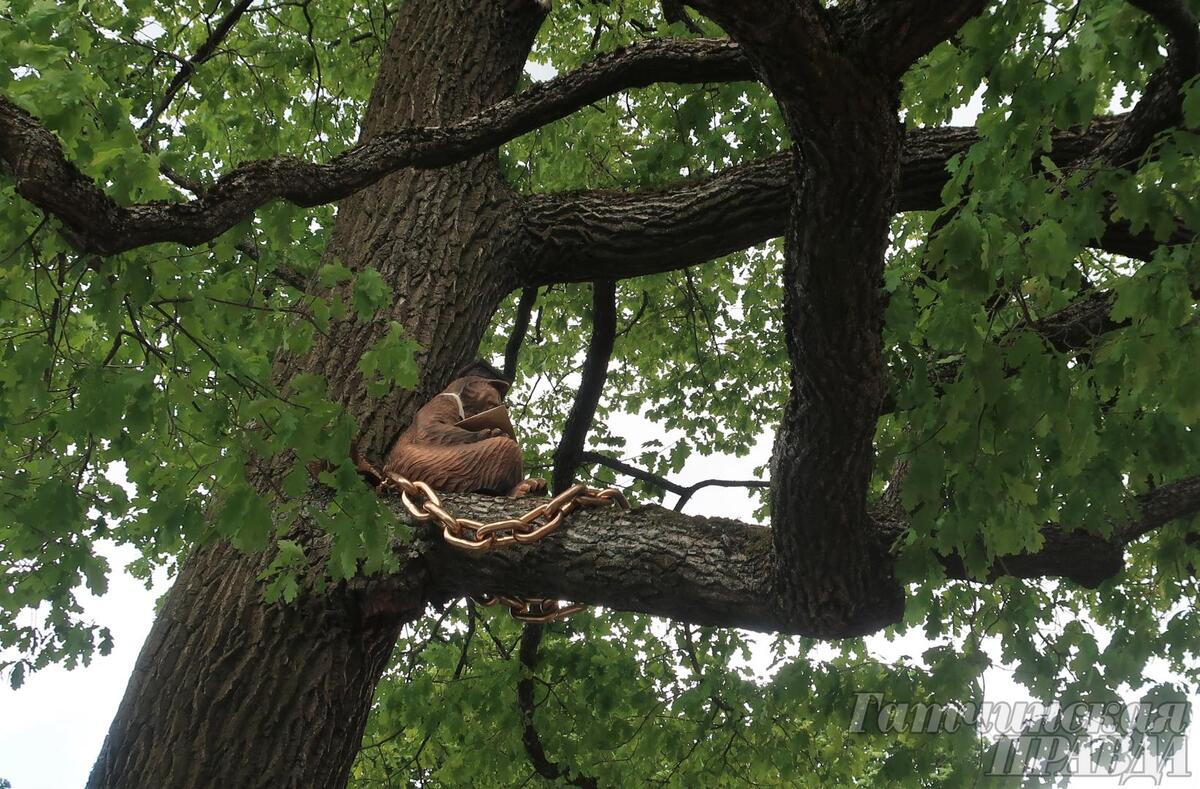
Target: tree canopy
{"x":170,"y":173}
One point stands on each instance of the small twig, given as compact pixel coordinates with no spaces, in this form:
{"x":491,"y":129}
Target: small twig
{"x":28,"y":240}
{"x":188,"y":67}
{"x":283,"y":272}
{"x":466,"y":646}
{"x":684,"y":492}
{"x":637,"y":316}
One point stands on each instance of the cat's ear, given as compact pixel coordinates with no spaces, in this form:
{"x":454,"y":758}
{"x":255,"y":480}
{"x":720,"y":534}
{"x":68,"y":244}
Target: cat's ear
{"x":457,"y":386}
{"x":500,"y":384}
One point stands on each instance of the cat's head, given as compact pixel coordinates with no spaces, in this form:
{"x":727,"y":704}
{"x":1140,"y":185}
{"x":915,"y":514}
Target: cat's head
{"x":481,"y":386}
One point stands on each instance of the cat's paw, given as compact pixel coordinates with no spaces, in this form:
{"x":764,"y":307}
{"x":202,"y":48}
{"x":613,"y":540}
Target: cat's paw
{"x":529,"y":487}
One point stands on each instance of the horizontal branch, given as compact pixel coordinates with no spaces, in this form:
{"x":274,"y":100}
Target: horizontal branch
{"x":578,"y":236}
{"x":582,"y":236}
{"x":1088,"y":559}
{"x":1180,"y":499}
{"x":34,"y":158}
{"x":1078,"y":325}
{"x":1075,"y":328}
{"x":710,"y":571}
{"x":717,"y":571}
{"x":1119,"y":239}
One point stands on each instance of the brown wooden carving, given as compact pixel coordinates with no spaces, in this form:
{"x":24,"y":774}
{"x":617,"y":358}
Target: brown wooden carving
{"x":450,"y":457}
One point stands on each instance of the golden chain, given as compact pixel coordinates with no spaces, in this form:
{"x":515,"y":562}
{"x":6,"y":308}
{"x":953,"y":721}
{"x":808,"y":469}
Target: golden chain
{"x":424,"y":504}
{"x":532,"y":609}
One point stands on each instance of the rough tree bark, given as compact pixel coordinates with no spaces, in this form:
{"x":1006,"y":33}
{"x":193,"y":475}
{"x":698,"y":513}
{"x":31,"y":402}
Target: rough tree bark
{"x":229,"y":691}
{"x":220,"y":668}
{"x":840,"y":97}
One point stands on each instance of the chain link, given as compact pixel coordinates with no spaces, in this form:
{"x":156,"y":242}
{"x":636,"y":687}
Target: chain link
{"x":424,"y":504}
{"x":532,"y":609}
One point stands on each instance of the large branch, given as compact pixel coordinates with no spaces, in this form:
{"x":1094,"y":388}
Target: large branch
{"x":703,"y":570}
{"x":578,"y":236}
{"x":893,"y":35}
{"x":1076,"y":328}
{"x":581,"y":236}
{"x":617,"y":234}
{"x":1161,"y":104}
{"x":716,"y":571}
{"x":34,"y":158}
{"x":1088,"y":559}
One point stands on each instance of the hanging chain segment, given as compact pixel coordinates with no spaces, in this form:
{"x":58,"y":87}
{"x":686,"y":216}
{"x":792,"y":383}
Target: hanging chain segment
{"x":532,"y":609}
{"x":424,"y":504}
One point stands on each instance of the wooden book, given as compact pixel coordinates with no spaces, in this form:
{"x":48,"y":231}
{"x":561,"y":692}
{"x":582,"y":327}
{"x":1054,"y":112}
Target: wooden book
{"x":493,"y":417}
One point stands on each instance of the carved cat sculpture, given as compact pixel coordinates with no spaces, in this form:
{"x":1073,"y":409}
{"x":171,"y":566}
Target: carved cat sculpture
{"x":451,"y":458}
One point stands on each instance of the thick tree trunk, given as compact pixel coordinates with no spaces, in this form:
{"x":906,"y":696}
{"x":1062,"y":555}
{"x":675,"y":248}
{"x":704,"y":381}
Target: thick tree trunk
{"x":831,"y":571}
{"x":229,"y":691}
{"x":444,"y":239}
{"x":831,"y":574}
{"x":841,"y":107}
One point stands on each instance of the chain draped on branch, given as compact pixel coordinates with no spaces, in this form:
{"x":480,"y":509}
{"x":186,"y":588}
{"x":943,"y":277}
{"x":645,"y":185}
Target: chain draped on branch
{"x":717,"y":571}
{"x":425,"y":506}
{"x":470,"y":229}
{"x":588,"y":235}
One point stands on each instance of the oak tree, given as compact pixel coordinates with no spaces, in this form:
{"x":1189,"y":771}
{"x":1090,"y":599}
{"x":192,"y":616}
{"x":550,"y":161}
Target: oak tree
{"x":240,"y":238}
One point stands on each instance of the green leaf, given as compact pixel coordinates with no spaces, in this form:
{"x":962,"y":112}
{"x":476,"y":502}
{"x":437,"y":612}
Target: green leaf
{"x":390,"y":362}
{"x":370,"y":293}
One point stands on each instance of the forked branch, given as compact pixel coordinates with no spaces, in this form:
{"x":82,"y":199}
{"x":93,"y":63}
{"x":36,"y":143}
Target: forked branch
{"x":895,"y":34}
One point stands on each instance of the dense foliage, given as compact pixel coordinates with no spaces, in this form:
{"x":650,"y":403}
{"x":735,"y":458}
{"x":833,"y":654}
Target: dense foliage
{"x":132,"y":394}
